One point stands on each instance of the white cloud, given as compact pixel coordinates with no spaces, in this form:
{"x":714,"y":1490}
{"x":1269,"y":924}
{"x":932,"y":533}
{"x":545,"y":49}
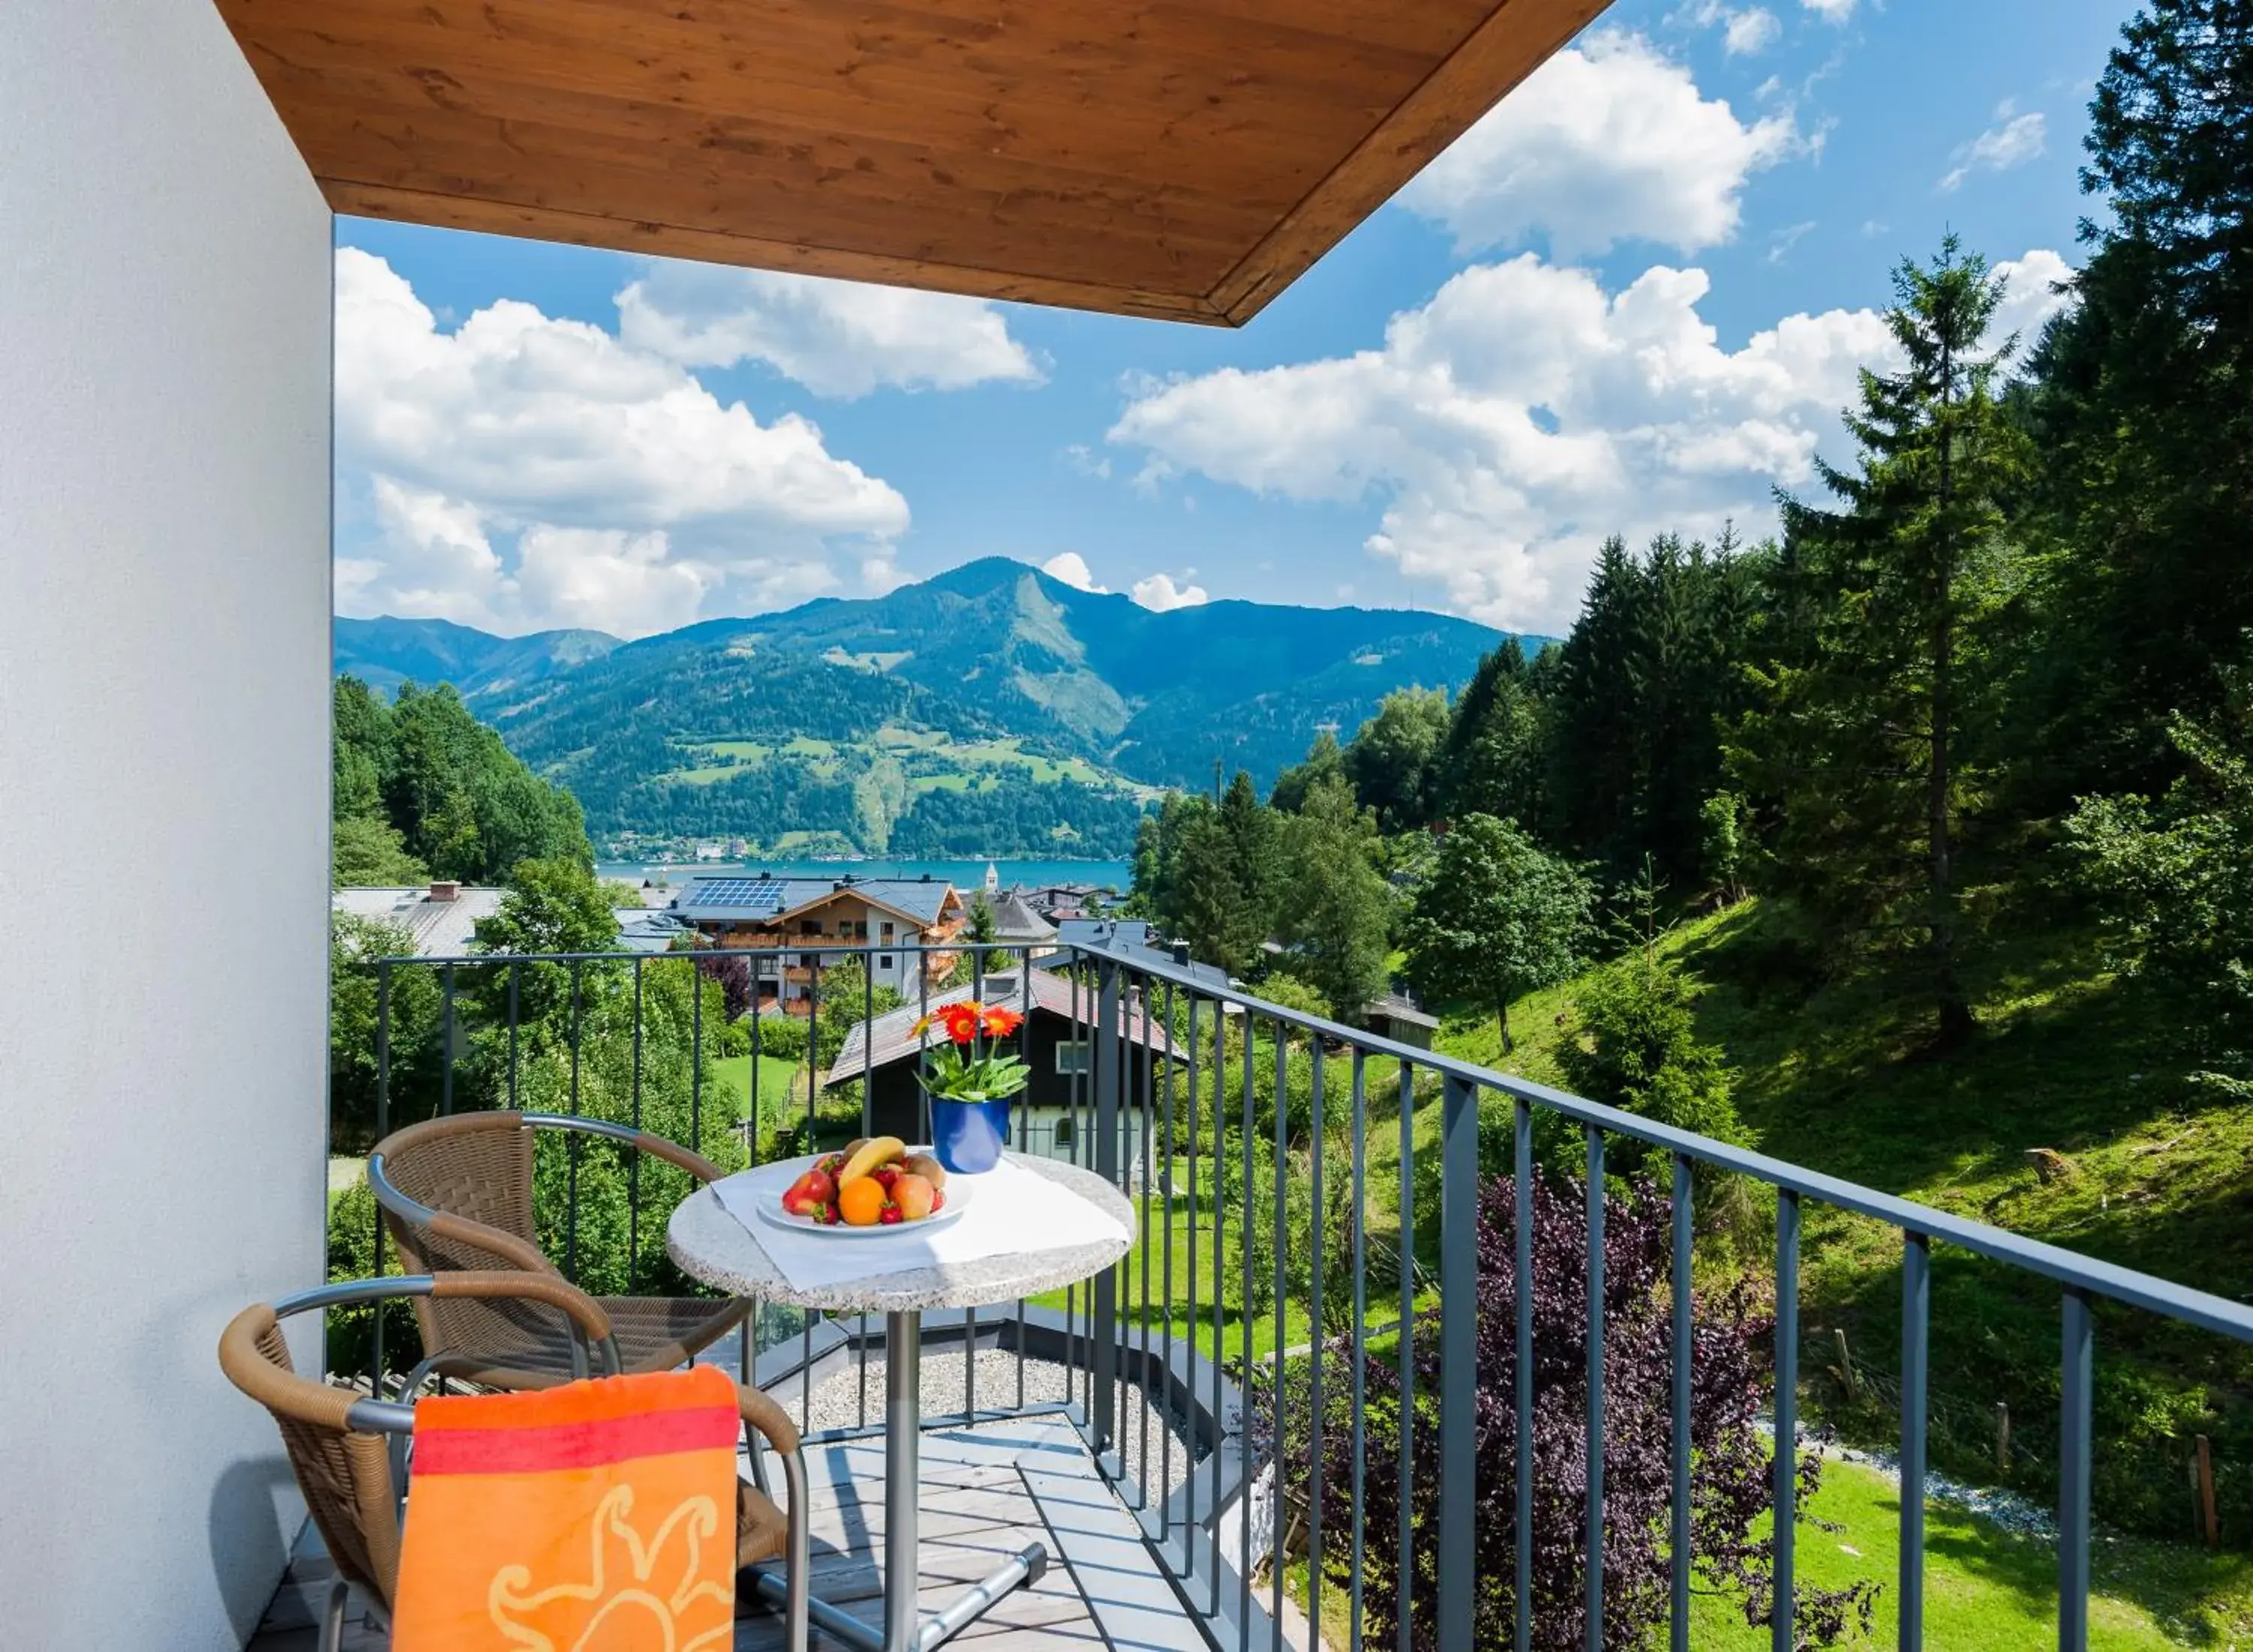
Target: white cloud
{"x":1752,"y":30}
{"x":1525,"y":413}
{"x":1744,"y":30}
{"x":1159,"y":593}
{"x":1780,"y":242}
{"x":1071,"y":568}
{"x":2031,"y":296}
{"x":522,"y":470}
{"x":839,"y":338}
{"x":1830,"y":11}
{"x":2013,"y":141}
{"x":1607,"y":142}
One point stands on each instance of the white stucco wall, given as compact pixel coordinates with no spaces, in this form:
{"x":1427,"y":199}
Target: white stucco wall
{"x":165,"y":406}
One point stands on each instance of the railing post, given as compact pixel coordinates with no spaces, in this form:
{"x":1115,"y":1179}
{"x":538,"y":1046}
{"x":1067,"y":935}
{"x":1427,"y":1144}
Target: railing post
{"x":2073,"y":1471}
{"x":1916,"y":1318}
{"x":1104,"y":1287}
{"x":1459,"y":1304}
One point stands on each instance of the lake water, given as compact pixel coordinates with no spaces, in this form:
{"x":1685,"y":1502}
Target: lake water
{"x":965,"y":875}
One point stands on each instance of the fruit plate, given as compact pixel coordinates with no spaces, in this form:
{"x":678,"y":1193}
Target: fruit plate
{"x":768,"y":1203}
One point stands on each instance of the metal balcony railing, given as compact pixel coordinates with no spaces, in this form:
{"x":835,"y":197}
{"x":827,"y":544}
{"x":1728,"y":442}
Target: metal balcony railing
{"x":1168,"y":1104}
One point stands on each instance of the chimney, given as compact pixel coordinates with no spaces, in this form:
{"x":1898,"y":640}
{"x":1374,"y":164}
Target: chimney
{"x":443,"y":889}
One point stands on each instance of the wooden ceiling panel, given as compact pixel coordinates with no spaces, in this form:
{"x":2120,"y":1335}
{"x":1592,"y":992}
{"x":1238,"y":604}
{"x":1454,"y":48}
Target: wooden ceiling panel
{"x":1186,"y":159}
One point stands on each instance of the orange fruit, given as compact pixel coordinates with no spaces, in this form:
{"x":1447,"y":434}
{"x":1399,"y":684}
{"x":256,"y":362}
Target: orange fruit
{"x":861,"y":1202}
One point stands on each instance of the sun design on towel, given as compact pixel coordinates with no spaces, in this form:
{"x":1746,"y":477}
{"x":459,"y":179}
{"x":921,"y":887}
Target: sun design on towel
{"x":625,"y":1603}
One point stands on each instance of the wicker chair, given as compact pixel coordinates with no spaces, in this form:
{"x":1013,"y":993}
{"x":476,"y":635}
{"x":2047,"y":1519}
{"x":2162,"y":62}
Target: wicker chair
{"x":456,"y":1193}
{"x":340,"y":1443}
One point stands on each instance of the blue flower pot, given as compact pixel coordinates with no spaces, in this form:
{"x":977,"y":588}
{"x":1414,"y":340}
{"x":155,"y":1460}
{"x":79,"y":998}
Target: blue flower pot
{"x":968,"y":1136}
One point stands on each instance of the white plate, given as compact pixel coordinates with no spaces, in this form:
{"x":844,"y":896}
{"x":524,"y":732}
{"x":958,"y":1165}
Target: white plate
{"x":768,"y":1203}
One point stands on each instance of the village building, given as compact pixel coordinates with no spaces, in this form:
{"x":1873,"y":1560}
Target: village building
{"x":907,"y":924}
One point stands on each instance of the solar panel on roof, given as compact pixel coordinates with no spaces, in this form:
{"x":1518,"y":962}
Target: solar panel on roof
{"x":750,"y":894}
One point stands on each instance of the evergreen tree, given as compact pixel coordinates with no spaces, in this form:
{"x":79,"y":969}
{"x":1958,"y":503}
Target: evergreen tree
{"x":1252,"y":835}
{"x":1492,"y":760}
{"x":1210,"y":909}
{"x":1335,"y":909}
{"x":422,"y":782}
{"x":2143,"y":412}
{"x":1652,"y":673}
{"x":1864,"y":743}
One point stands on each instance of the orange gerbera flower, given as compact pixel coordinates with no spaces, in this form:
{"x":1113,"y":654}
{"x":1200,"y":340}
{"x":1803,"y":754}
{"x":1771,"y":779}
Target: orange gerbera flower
{"x":999,"y":1023}
{"x":960,"y":1019}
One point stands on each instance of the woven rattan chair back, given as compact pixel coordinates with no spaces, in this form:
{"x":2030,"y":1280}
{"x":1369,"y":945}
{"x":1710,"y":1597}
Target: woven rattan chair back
{"x":478,"y":1166}
{"x":345,"y":1473}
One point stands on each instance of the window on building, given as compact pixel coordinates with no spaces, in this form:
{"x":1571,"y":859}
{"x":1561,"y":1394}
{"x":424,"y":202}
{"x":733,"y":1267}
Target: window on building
{"x":1062,"y":1138}
{"x":1074,"y":1056}
{"x":884,"y":931}
{"x":884,"y":961}
{"x":809,"y":926}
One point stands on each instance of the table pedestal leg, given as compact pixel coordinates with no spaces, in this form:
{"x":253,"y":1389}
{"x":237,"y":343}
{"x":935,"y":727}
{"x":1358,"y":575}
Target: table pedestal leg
{"x":903,"y":1478}
{"x":905,"y":1629}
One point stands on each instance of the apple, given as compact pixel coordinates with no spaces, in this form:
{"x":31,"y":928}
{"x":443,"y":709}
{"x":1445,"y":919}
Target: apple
{"x":916,"y":1197}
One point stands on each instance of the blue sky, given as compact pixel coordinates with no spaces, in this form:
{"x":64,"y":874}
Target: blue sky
{"x":1631,"y":300}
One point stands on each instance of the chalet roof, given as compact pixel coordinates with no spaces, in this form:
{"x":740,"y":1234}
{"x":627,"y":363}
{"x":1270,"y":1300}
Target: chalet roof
{"x":756,"y":900}
{"x":1398,"y":1006}
{"x":1015,"y":920}
{"x":894,"y":1031}
{"x":440,"y":929}
{"x":641,"y":929}
{"x":1181,"y":161}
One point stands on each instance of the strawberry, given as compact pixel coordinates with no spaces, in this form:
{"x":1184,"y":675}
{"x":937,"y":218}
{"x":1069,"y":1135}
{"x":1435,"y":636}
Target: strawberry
{"x":886,"y":1175}
{"x":891,"y":1215}
{"x":938,"y":1200}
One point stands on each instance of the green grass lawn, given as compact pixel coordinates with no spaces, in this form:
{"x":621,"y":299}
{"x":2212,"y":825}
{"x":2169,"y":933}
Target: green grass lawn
{"x":1986,"y":1589}
{"x":780,"y":1081}
{"x":1990,"y":1590}
{"x":1160,"y":1220}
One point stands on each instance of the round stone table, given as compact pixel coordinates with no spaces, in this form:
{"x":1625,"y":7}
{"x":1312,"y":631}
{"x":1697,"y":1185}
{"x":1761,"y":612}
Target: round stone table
{"x":710,"y":1244}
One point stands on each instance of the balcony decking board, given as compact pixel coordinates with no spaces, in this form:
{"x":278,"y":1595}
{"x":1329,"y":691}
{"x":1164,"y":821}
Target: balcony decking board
{"x":978,"y":1508}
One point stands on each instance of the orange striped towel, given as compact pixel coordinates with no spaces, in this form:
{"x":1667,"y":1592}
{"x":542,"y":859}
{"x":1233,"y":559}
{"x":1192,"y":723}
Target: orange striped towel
{"x":595,"y":1517}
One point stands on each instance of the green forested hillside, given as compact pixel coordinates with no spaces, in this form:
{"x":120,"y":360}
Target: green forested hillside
{"x":420,"y":789}
{"x":988,"y":710}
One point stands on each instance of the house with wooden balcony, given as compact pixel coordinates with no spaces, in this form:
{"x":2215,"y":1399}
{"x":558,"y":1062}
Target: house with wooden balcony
{"x":903,"y":928}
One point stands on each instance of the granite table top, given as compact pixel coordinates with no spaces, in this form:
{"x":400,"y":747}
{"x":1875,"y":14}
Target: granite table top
{"x":710,"y":1243}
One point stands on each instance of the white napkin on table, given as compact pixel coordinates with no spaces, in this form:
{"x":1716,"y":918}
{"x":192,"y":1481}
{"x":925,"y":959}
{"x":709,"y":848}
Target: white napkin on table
{"x":1010,"y":1209}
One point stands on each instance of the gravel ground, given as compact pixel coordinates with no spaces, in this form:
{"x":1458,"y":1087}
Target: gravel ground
{"x":836,"y":1404}
{"x":2006,"y":1509}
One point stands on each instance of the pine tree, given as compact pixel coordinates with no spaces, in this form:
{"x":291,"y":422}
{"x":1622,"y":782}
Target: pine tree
{"x":2143,"y":407}
{"x":1644,"y":684}
{"x":1491,"y":762}
{"x":1335,"y":909}
{"x":1865,"y":742}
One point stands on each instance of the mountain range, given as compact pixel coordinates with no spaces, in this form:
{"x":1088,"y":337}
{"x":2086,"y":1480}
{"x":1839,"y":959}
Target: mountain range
{"x":988,"y":710}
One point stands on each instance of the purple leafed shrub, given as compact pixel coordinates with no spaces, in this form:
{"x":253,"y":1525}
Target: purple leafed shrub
{"x":1733,"y":1377}
{"x":734,"y":974}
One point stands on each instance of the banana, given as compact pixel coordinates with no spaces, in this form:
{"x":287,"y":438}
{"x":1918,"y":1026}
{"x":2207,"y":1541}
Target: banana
{"x":879,"y":1150}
